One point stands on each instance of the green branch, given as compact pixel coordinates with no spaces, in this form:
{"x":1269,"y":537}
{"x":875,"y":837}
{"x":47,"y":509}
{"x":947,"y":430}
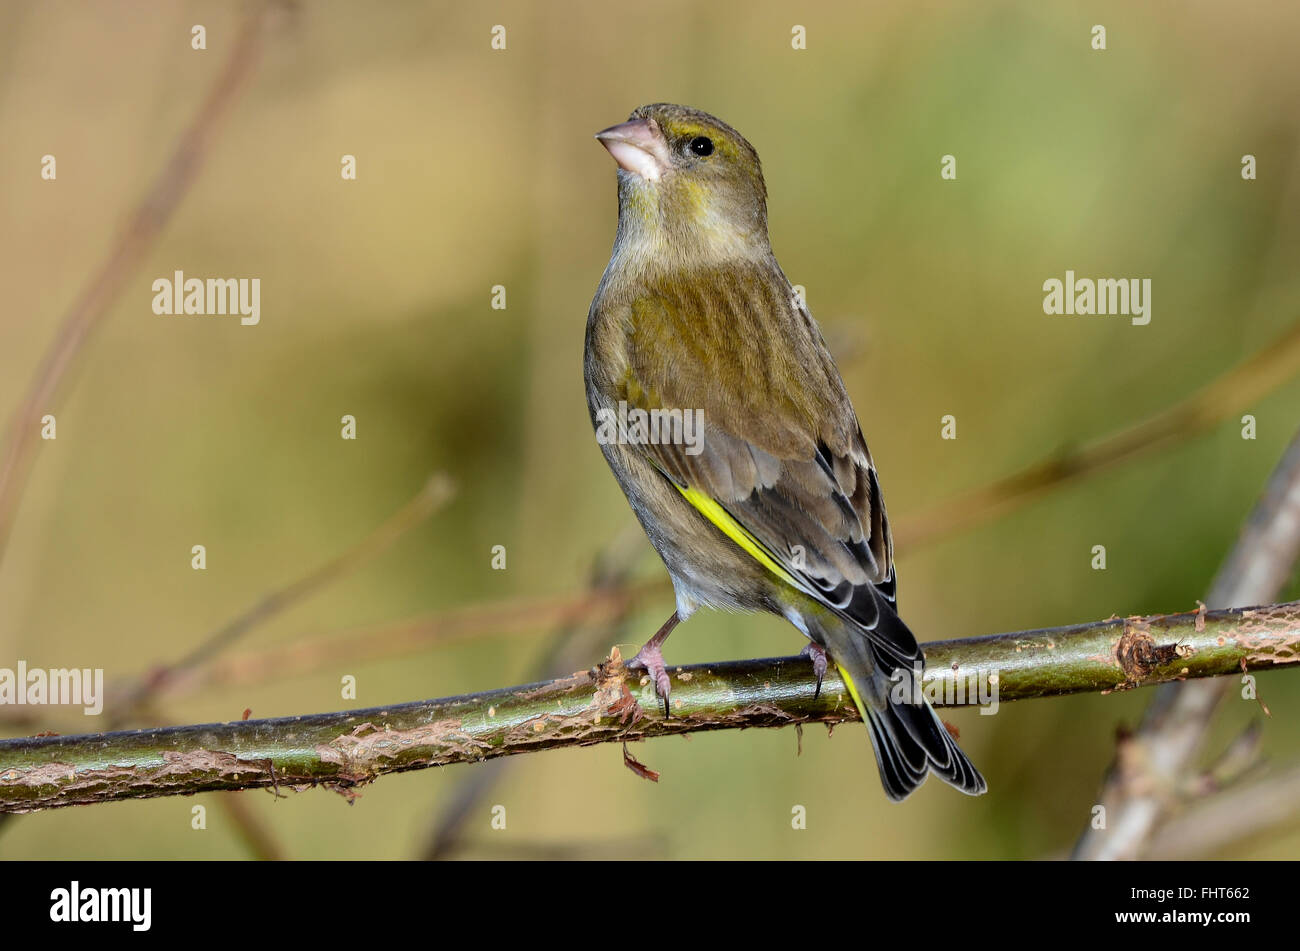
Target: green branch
{"x":610,"y":704}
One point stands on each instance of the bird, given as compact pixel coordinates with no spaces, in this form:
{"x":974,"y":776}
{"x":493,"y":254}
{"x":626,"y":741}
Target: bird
{"x":775,"y":506}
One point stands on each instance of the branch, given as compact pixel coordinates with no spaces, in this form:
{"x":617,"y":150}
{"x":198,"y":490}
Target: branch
{"x":1145,"y":780}
{"x":347,"y":749}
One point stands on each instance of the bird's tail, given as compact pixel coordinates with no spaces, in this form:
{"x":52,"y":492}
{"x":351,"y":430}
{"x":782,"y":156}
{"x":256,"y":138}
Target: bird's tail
{"x":908,"y":738}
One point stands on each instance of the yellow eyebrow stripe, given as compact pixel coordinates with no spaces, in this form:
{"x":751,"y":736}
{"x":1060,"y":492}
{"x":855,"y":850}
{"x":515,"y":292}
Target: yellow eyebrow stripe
{"x":715,"y":513}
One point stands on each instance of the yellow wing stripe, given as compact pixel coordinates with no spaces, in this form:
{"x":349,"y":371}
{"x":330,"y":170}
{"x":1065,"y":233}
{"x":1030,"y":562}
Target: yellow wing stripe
{"x":715,"y":513}
{"x":853,"y":691}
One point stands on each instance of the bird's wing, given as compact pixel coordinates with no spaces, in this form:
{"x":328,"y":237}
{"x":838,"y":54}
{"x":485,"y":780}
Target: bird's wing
{"x":783,"y":469}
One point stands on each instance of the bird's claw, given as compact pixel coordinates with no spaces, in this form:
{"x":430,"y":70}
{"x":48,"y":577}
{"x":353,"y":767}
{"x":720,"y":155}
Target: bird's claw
{"x":818,"y":655}
{"x":651,"y":659}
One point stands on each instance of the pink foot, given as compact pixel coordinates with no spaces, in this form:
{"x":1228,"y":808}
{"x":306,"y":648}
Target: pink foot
{"x":818,"y":655}
{"x":651,"y":659}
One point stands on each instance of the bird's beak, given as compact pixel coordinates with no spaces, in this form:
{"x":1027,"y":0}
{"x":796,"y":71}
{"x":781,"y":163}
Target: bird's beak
{"x":637,"y":146}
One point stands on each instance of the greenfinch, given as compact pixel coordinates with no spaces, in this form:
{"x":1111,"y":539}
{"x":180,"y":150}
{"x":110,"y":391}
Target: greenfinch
{"x":770,"y":502}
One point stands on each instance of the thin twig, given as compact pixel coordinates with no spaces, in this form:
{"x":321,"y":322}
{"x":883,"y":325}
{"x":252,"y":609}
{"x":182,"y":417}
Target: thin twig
{"x":376,"y":641}
{"x":435,"y":493}
{"x":131,"y":248}
{"x":1204,"y":409}
{"x":607,"y":704}
{"x":311,"y":652}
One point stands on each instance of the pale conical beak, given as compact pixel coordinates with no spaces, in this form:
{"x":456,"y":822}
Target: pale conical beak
{"x":637,"y":146}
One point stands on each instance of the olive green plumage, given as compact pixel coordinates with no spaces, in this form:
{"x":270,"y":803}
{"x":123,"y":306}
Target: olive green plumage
{"x":780,"y":509}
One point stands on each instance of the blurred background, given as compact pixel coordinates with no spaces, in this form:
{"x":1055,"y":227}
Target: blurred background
{"x":476,"y":167}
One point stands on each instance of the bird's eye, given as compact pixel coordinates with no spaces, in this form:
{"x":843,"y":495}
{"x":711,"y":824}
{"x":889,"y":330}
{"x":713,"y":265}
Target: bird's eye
{"x":701,"y":145}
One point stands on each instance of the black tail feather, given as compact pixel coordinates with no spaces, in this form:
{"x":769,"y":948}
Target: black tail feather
{"x":904,"y":760}
{"x":909,"y":739}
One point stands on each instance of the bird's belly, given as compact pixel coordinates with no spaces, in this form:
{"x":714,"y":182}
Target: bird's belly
{"x":707,"y":568}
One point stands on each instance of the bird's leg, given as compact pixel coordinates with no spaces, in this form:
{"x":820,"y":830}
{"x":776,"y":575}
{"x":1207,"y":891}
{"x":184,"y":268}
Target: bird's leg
{"x":818,"y":655}
{"x":651,"y":659}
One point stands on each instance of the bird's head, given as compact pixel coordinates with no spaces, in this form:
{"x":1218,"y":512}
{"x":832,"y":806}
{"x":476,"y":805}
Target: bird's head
{"x":689,"y":185}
